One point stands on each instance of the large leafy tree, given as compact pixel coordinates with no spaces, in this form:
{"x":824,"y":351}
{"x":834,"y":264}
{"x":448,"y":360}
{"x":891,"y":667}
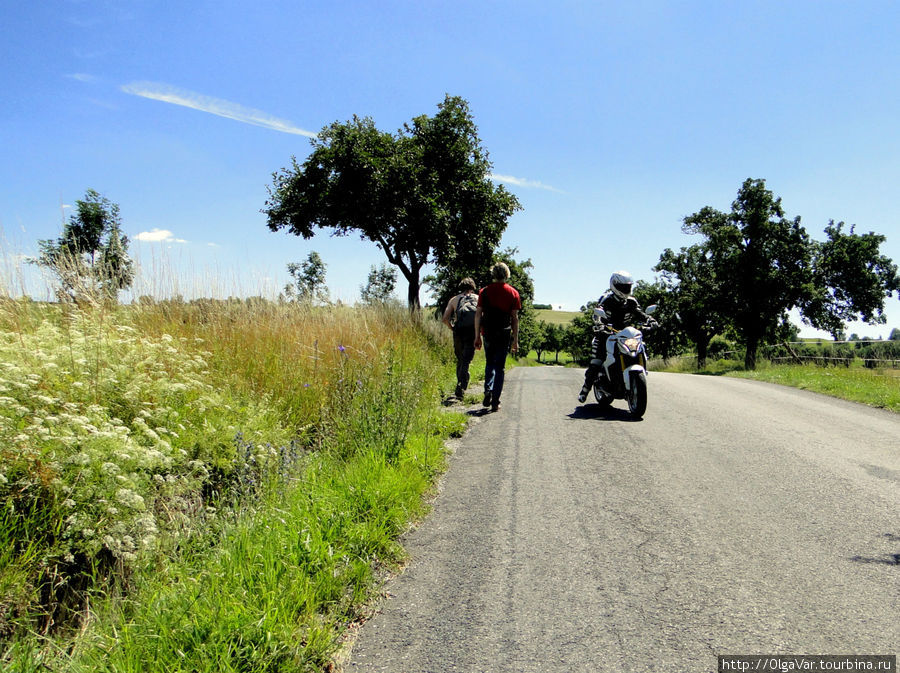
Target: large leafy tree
{"x":763,"y":264}
{"x":668,"y":339}
{"x":851,"y":280}
{"x":422,"y":195}
{"x":90,"y":258}
{"x":693,"y":297}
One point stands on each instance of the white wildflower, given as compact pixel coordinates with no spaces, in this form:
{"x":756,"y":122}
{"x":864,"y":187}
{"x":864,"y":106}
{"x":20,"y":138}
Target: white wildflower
{"x":68,"y":502}
{"x":130,"y":499}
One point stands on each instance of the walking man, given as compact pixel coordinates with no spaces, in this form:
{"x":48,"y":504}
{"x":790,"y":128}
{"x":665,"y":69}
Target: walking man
{"x":497,"y":327}
{"x":460,"y":317}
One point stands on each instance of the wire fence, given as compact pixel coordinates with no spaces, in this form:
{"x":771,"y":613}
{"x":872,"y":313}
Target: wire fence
{"x":873,"y":354}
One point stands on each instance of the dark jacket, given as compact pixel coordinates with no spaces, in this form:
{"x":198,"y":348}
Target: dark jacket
{"x":622,"y":313}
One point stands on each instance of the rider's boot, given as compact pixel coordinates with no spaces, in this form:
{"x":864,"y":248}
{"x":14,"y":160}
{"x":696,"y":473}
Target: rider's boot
{"x":582,"y":396}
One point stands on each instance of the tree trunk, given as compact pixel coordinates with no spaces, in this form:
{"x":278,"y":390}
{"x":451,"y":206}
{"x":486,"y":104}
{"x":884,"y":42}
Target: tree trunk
{"x":702,"y":351}
{"x":412,"y":295}
{"x":750,"y":355}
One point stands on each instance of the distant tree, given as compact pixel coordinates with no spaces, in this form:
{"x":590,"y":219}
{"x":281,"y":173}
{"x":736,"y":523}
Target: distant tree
{"x":543,"y":307}
{"x":91,"y":257}
{"x":380,"y":284}
{"x":309,"y":280}
{"x":694,"y":298}
{"x":764,"y":265}
{"x":895,"y":335}
{"x":422,"y":195}
{"x":580,"y":333}
{"x":541,"y":338}
{"x":555,"y":339}
{"x":669,"y":339}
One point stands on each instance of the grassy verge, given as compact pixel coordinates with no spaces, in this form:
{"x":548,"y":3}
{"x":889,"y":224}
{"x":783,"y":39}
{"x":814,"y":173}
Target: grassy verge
{"x":210,"y":486}
{"x":875,"y":387}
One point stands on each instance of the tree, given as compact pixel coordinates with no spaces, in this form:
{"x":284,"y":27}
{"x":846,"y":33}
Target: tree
{"x":895,"y":335}
{"x":309,"y":280}
{"x":422,"y":195}
{"x":91,"y":257}
{"x":693,"y":298}
{"x":764,"y":265}
{"x":581,"y":332}
{"x":851,"y":279}
{"x":541,"y":338}
{"x":555,"y":340}
{"x":669,"y":338}
{"x":380,"y":285}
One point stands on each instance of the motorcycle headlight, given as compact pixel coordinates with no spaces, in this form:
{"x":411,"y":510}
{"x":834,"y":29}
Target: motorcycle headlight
{"x":632,"y":343}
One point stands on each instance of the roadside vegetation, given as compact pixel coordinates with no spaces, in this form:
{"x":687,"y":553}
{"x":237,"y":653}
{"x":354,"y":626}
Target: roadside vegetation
{"x":207,"y":485}
{"x":852,"y":380}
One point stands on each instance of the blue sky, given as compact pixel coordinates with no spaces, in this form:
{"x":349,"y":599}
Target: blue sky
{"x":610,"y":121}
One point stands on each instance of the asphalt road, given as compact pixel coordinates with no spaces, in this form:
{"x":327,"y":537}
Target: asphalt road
{"x":736,"y":518}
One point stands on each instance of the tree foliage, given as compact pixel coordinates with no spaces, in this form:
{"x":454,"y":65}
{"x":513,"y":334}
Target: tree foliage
{"x":309,"y":280}
{"x":669,"y":338}
{"x":851,"y":280}
{"x":380,"y":284}
{"x":421,"y":195}
{"x":758,"y":265}
{"x":90,"y":258}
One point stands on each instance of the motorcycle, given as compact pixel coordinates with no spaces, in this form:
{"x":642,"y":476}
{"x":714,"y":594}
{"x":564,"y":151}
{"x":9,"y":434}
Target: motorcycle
{"x":623,"y":374}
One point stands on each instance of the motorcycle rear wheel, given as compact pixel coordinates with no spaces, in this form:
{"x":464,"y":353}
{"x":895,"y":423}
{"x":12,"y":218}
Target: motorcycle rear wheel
{"x":603,"y":398}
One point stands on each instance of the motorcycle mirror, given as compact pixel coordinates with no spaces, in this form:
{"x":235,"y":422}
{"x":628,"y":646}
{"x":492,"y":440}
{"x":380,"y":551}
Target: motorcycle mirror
{"x":599,"y":314}
{"x":651,"y":309}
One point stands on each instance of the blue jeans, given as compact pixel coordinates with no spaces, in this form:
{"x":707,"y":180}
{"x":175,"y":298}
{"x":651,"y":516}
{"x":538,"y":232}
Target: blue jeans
{"x":496,"y":346}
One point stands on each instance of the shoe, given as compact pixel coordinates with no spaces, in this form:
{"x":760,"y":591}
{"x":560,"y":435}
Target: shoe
{"x":459,"y":392}
{"x":495,"y":406}
{"x":486,"y":402}
{"x":582,"y":396}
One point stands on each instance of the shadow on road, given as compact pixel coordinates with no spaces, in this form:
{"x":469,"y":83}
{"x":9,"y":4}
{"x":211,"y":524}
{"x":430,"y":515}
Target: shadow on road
{"x":886,"y":559}
{"x":597,"y":412}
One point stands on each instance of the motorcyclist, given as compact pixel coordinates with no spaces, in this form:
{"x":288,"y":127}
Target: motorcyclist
{"x":622,"y":309}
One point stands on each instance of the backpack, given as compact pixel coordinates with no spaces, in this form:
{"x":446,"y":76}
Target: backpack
{"x":465,"y":311}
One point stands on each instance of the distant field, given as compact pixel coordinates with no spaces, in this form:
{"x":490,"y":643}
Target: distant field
{"x":555,"y":317}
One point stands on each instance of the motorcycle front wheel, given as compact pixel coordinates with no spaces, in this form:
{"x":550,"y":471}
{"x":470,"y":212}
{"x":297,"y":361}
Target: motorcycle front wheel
{"x":637,"y":396}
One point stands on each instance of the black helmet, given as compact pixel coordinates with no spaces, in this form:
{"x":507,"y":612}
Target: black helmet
{"x":621,"y":283}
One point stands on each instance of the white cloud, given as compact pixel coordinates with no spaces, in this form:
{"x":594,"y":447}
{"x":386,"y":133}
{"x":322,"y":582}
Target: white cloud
{"x":523,"y":182}
{"x":216,"y":106}
{"x":83,"y":77}
{"x":158,"y":236}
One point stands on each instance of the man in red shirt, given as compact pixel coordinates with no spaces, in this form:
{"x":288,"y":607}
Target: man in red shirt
{"x":497,"y":326}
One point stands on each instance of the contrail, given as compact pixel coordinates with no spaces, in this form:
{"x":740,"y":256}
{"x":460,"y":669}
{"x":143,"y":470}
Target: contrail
{"x":216,"y":106}
{"x":523,"y":182}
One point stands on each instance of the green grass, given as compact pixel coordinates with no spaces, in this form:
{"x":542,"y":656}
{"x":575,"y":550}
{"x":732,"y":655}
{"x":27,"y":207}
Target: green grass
{"x":213,"y":486}
{"x":874,"y":387}
{"x":555,"y":317}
